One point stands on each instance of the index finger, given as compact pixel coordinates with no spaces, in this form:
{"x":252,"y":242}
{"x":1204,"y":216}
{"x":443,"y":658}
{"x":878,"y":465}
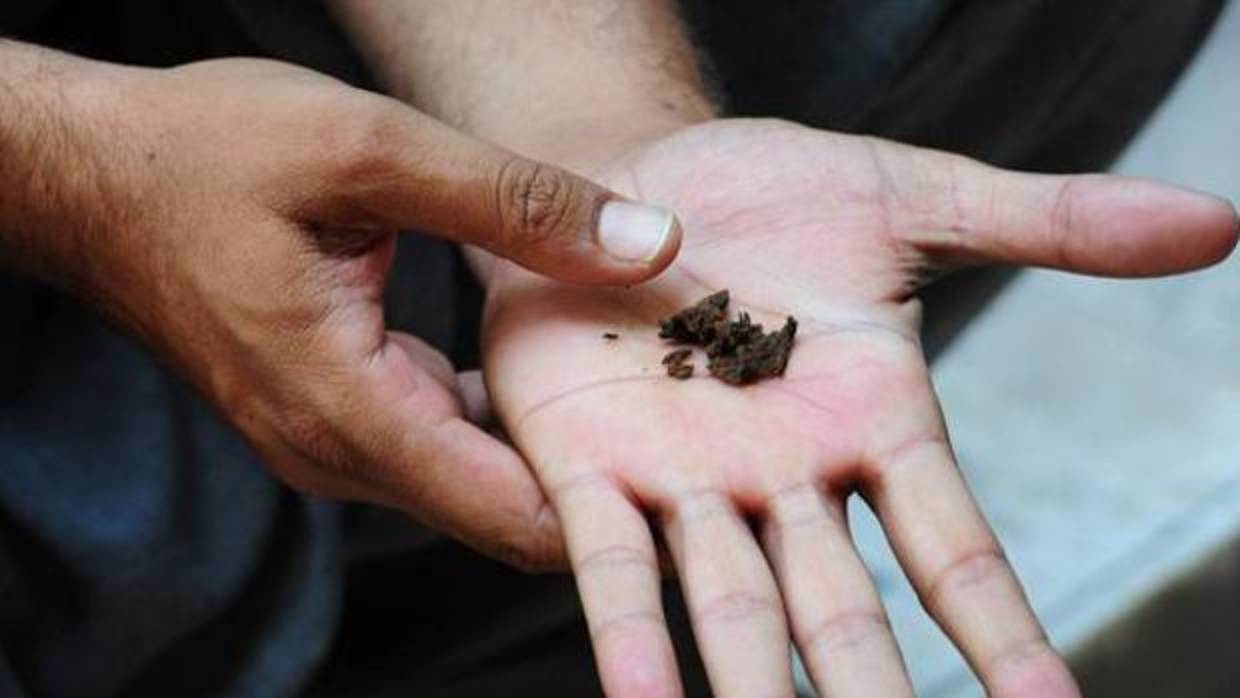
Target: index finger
{"x":389,"y":427}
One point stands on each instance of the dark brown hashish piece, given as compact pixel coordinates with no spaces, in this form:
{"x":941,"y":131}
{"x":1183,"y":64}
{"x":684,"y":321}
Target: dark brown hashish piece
{"x":762,"y":356}
{"x":696,"y":324}
{"x":738,"y":351}
{"x":676,"y":366}
{"x":730,"y":336}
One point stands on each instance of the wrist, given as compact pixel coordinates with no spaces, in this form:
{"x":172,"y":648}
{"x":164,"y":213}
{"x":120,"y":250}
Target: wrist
{"x":61,"y":149}
{"x":587,"y":139}
{"x":582,"y":121}
{"x":565,"y":81}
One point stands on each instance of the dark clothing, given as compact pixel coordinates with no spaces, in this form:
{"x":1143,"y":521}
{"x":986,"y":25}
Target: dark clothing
{"x":144,"y":550}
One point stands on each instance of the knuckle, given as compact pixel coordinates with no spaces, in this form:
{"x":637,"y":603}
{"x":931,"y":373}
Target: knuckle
{"x":1060,"y":217}
{"x":613,"y":557}
{"x":798,"y":506}
{"x":578,"y":486}
{"x":964,"y":574}
{"x":847,"y":629}
{"x":362,"y":141}
{"x":956,"y":195}
{"x":699,"y":506}
{"x":637,"y":624}
{"x":885,"y":468}
{"x":739,"y":606}
{"x":311,"y":435}
{"x":1028,"y":663}
{"x":535,"y":203}
{"x":302,"y":449}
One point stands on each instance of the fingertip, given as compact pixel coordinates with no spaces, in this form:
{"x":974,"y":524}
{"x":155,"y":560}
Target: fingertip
{"x":537,"y":551}
{"x":665,"y":254}
{"x":636,"y":667}
{"x":1227,"y":234}
{"x":1209,"y":222}
{"x":474,"y":398}
{"x":642,"y":239}
{"x":632,"y":243}
{"x":1128,"y":226}
{"x":1036,"y":673}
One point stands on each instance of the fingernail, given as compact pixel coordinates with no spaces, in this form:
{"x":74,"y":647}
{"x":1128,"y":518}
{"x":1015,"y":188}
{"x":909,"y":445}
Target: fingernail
{"x":634,"y":232}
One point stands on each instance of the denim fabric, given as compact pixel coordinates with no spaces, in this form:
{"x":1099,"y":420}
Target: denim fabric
{"x":142,"y":546}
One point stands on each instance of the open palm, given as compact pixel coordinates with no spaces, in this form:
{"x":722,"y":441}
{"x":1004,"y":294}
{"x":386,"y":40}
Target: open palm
{"x":747,"y":485}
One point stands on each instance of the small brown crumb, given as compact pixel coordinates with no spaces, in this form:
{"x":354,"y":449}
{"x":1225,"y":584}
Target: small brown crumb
{"x":676,"y":364}
{"x":677,"y":356}
{"x":610,"y":336}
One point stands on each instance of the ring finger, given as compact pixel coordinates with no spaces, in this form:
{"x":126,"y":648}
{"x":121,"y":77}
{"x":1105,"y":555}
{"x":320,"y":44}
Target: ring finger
{"x":837,"y":617}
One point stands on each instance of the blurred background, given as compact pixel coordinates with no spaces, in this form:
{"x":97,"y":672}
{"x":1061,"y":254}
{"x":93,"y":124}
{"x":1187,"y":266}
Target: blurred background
{"x":1099,"y":425}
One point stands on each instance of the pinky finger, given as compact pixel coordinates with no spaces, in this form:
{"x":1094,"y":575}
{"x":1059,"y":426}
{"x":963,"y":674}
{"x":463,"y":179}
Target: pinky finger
{"x":962,"y":577}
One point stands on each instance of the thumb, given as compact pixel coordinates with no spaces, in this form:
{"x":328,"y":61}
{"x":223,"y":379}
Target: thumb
{"x":421,"y":174}
{"x":1095,"y":224}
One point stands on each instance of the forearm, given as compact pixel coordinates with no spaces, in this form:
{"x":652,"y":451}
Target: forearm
{"x":54,"y":198}
{"x":561,"y":80}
